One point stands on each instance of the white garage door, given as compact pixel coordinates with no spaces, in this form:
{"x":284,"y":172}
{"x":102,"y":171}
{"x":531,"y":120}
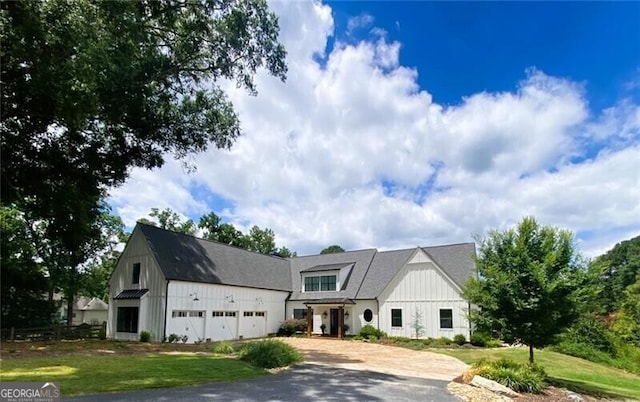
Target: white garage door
{"x":223,"y":325}
{"x":254,"y":324}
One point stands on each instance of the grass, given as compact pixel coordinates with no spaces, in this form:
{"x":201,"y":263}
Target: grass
{"x":564,"y":371}
{"x":79,"y":374}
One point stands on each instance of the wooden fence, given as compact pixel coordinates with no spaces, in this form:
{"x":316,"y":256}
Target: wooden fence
{"x":57,"y":332}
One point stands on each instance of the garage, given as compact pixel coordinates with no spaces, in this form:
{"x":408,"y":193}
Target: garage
{"x":223,"y":325}
{"x":254,"y":324}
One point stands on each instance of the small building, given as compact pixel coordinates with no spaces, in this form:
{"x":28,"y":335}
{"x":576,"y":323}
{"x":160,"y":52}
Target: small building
{"x":86,"y":310}
{"x":171,"y":283}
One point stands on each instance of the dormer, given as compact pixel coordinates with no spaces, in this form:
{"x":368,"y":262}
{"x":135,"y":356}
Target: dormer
{"x":325,"y":278}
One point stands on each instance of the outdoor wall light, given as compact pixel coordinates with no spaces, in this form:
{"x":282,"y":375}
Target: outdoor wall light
{"x":346,"y":314}
{"x":195,"y":296}
{"x":324,"y":314}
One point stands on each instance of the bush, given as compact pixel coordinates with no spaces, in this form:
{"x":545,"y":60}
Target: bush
{"x":494,"y":343}
{"x":290,"y":327}
{"x":223,"y":348}
{"x":269,"y":353}
{"x":479,"y":338}
{"x":589,"y":331}
{"x":442,"y":341}
{"x":174,"y":338}
{"x":145,"y":336}
{"x":460,"y":339}
{"x":102,"y":333}
{"x":369,"y":330}
{"x":518,"y":377}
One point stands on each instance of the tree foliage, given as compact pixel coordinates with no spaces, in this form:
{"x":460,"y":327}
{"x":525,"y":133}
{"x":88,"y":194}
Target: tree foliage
{"x":526,"y":285}
{"x":614,"y":271}
{"x":91,"y":89}
{"x":332,"y":249}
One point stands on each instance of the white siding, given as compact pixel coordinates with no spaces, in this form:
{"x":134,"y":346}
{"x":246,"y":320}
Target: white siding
{"x":421,"y":290}
{"x":212,"y":298}
{"x":152,"y":304}
{"x":357,"y":321}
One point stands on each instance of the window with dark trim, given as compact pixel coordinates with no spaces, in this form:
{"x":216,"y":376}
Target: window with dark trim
{"x":127,"y":319}
{"x":368,"y":315}
{"x":446,"y":318}
{"x":396,"y":317}
{"x":299,"y":313}
{"x":135,"y":278}
{"x":324,"y":283}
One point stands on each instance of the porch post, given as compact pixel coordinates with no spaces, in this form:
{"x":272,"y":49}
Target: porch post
{"x":309,"y":321}
{"x":340,"y":321}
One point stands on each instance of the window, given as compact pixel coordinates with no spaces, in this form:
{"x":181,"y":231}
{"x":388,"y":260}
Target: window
{"x":328,"y":283}
{"x":127,"y":319}
{"x":312,"y":284}
{"x":324,"y":283}
{"x":368,"y":315}
{"x":136,"y":273}
{"x":177,"y":313}
{"x":196,"y":314}
{"x":229,"y":313}
{"x":218,"y":314}
{"x":396,"y":317}
{"x":186,"y":313}
{"x":261,"y":314}
{"x":248,"y":313}
{"x":446,"y":318}
{"x":299,"y":313}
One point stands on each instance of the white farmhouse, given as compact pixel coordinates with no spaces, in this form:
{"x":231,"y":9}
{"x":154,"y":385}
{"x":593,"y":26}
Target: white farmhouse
{"x":170,"y":283}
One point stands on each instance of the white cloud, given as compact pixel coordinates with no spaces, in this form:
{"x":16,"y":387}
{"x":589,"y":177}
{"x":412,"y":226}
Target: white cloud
{"x":352,"y":151}
{"x":360,"y":21}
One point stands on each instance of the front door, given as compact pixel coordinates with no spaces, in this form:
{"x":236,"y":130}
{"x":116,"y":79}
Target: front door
{"x":333,"y":322}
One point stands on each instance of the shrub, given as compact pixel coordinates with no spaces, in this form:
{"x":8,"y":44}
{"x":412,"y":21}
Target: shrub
{"x":173,"y":338}
{"x":589,"y":331}
{"x":479,"y":338}
{"x":369,"y":330}
{"x":518,"y":377}
{"x":494,"y":343}
{"x":460,"y":339}
{"x":223,"y":348}
{"x":269,"y":353}
{"x":290,"y":327}
{"x":102,"y":333}
{"x":145,"y":336}
{"x":442,"y":341}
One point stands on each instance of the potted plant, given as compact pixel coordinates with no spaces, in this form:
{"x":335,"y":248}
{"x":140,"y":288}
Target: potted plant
{"x":323,"y":327}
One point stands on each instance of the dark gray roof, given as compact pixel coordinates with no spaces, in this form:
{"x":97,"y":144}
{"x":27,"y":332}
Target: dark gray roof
{"x":327,"y":267}
{"x":360,"y":260}
{"x":187,"y":258}
{"x":456,"y":260}
{"x":131,"y":294}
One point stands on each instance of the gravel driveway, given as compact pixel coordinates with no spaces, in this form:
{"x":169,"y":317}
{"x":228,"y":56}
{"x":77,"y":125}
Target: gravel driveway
{"x":354,"y":355}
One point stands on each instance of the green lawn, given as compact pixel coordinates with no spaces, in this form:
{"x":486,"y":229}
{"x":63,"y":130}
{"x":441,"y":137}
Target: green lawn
{"x":110,"y":373}
{"x":565,"y":371}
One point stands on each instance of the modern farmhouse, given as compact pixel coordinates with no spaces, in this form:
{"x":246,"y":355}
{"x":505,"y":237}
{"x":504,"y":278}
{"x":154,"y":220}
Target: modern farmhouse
{"x":170,"y":283}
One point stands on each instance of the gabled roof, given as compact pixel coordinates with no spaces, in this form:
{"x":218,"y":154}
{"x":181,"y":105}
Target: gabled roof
{"x":96,"y":305}
{"x":187,"y":258}
{"x":360,"y":260}
{"x":456,"y":260}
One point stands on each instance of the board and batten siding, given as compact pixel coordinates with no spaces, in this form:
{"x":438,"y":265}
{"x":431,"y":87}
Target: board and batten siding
{"x":421,"y":290}
{"x":151,"y":313}
{"x":226,"y":299}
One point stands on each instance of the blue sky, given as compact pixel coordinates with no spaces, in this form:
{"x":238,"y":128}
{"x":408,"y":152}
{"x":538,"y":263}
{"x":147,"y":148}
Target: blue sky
{"x":423,"y":123}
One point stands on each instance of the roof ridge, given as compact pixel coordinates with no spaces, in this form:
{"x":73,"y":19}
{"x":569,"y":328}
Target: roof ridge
{"x":342,"y":252}
{"x":210,"y":241}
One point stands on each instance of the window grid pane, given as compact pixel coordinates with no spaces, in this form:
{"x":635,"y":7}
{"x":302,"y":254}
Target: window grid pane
{"x":446,"y":318}
{"x":396,"y":317}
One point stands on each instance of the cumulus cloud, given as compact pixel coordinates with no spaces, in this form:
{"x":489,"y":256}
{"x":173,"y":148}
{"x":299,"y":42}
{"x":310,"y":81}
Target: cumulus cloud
{"x":352,"y":151}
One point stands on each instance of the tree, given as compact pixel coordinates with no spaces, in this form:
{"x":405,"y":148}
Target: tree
{"x":526,"y":285}
{"x":91,"y":89}
{"x":417,"y":325}
{"x":261,"y":240}
{"x":626,"y":323}
{"x":25,"y":283}
{"x":332,"y":249}
{"x":170,"y":220}
{"x":615,"y":271}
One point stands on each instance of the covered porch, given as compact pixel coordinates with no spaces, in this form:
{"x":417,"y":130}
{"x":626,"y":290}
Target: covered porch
{"x":335,"y":316}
